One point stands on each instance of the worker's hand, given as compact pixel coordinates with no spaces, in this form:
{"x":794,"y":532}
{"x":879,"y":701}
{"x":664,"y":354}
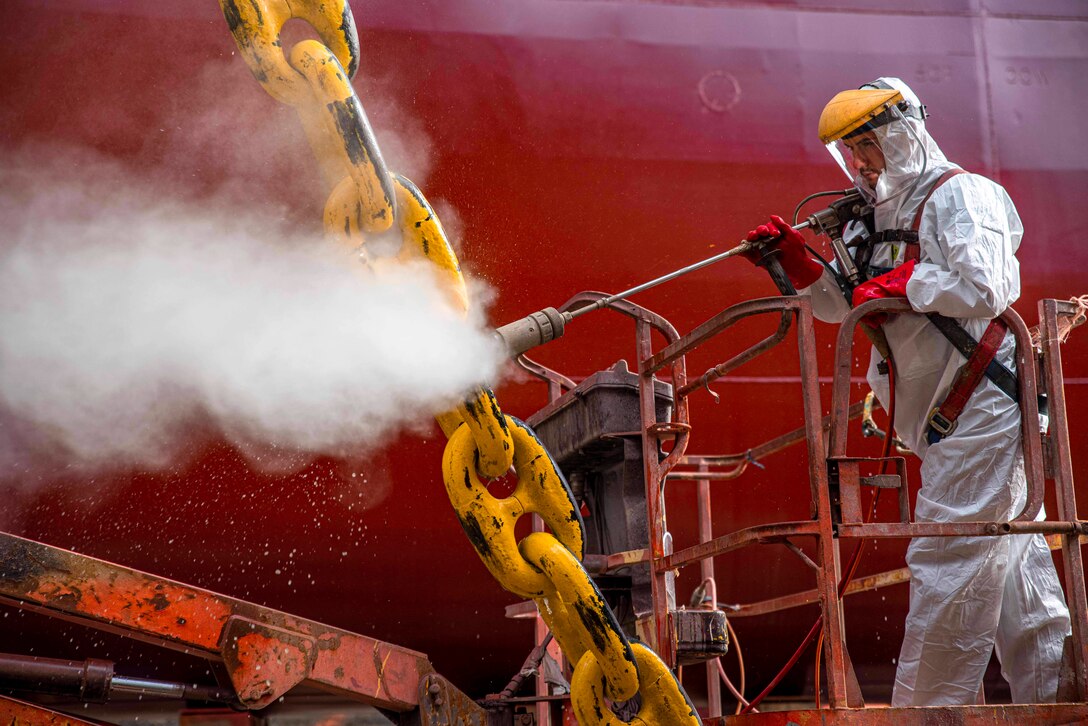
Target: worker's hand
{"x":777,"y":233}
{"x":792,"y":253}
{"x":890,"y":284}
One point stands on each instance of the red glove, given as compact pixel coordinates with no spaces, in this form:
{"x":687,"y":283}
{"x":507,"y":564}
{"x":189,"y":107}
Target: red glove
{"x":890,"y":284}
{"x":793,"y":255}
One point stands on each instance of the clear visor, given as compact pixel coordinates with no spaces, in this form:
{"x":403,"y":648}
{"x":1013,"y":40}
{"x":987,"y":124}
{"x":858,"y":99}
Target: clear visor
{"x":842,"y":156}
{"x":863,"y":154}
{"x":859,"y":155}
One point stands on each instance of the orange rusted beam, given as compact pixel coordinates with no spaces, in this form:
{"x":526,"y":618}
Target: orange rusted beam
{"x":266,"y":652}
{"x":14,"y":711}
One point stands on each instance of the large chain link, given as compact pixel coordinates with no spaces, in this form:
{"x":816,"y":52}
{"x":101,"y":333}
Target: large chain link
{"x":366,"y":198}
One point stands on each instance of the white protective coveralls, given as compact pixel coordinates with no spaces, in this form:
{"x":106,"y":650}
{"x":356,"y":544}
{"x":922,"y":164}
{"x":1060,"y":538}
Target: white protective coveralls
{"x":967,"y":594}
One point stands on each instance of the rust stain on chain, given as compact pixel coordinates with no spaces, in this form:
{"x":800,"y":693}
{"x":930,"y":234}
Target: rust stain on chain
{"x":348,"y":116}
{"x":475,"y":534}
{"x":257,"y":9}
{"x":595,"y":622}
{"x":351,"y":39}
{"x":234,"y":18}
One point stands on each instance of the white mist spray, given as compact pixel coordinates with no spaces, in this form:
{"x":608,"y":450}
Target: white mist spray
{"x":124,"y":320}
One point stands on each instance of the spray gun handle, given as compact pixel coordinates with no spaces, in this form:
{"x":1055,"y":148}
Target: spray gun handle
{"x":831,"y":221}
{"x":845,"y":261}
{"x":838,"y":214}
{"x":769,"y":261}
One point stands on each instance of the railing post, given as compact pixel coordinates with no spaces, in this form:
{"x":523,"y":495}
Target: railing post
{"x":706,"y":571}
{"x":1072,"y":556}
{"x":827,"y":546}
{"x":655,"y":510}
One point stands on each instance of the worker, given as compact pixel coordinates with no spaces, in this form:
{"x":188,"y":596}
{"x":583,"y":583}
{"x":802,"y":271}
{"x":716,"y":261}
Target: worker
{"x":945,"y":240}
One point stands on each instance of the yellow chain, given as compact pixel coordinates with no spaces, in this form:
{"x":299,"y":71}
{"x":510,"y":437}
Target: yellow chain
{"x":364,"y":193}
{"x":365,"y":198}
{"x":663,"y":701}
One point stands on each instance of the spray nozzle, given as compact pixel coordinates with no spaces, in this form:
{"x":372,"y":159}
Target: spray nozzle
{"x":533,"y":330}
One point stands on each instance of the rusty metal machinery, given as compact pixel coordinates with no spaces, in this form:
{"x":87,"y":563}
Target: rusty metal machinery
{"x":89,"y":681}
{"x":594,"y":433}
{"x":94,"y":680}
{"x":14,"y":711}
{"x":265,"y":652}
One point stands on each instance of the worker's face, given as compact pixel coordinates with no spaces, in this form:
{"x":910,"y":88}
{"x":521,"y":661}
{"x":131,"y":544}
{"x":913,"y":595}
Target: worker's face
{"x":865,"y":157}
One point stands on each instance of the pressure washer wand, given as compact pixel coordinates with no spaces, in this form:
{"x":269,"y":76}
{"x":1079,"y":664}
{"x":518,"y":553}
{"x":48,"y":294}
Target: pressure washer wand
{"x":548,"y":324}
{"x":606,"y":301}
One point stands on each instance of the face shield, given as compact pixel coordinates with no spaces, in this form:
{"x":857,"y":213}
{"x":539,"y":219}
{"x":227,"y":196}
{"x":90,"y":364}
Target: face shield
{"x":842,"y":155}
{"x":870,"y":135}
{"x":861,"y":156}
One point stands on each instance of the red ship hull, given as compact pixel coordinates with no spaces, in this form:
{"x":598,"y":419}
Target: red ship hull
{"x":583,"y":146}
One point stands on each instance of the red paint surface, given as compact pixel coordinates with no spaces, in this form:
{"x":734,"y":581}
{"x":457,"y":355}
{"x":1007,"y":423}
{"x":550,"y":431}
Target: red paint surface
{"x":584,"y":145}
{"x":266,"y":668}
{"x":178,"y":613}
{"x":352,"y":663}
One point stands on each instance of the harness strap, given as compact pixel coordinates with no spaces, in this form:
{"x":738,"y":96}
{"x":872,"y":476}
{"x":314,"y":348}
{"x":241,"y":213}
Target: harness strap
{"x":943,"y":419}
{"x":896,"y":235}
{"x":913,"y":249}
{"x":962,"y":341}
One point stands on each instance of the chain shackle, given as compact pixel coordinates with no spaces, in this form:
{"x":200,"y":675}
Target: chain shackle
{"x":663,"y":700}
{"x":313,"y":79}
{"x":493,"y":439}
{"x":343,"y":140}
{"x":256,"y":27}
{"x":494,"y":444}
{"x":489,"y":522}
{"x":578,"y":615}
{"x":424,"y":239}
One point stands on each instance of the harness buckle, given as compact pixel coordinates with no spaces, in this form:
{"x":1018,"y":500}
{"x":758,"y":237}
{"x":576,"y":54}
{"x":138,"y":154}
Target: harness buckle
{"x":940,"y":423}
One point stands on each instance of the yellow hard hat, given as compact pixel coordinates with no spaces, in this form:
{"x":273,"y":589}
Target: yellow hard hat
{"x":851,"y":110}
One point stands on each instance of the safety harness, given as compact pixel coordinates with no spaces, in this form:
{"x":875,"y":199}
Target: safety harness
{"x":980,"y":355}
{"x":943,"y":418}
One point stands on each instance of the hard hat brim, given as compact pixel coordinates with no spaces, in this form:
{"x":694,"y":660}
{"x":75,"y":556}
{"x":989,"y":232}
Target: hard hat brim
{"x":850,"y":110}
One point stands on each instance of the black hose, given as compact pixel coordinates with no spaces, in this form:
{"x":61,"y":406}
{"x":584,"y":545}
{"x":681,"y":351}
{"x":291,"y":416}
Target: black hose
{"x":810,"y":197}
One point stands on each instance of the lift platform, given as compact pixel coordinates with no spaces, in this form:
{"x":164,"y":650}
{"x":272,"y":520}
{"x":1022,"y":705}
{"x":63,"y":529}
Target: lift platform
{"x":262,"y":654}
{"x":836,"y":480}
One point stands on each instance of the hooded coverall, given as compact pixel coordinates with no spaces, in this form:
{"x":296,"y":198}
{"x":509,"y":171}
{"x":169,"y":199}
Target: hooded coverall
{"x":967,"y":594}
